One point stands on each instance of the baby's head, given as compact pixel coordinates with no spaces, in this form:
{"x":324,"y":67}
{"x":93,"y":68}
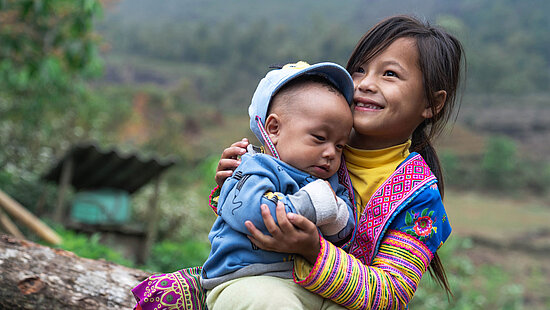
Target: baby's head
{"x":301,"y":113}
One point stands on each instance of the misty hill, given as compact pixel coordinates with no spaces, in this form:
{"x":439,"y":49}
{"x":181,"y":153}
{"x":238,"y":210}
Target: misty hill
{"x":507,"y":42}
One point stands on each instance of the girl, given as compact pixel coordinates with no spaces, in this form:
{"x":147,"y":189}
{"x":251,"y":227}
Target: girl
{"x":406,"y":75}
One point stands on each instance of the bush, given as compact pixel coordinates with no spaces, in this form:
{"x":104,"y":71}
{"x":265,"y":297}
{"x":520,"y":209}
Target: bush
{"x":89,"y":247}
{"x":460,"y":171}
{"x":169,"y":256}
{"x":500,"y":163}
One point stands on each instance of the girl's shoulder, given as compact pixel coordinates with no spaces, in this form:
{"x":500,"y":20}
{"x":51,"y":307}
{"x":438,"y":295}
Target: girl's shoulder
{"x":425,"y":218}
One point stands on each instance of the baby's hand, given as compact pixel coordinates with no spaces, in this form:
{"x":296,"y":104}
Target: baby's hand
{"x":230,"y":160}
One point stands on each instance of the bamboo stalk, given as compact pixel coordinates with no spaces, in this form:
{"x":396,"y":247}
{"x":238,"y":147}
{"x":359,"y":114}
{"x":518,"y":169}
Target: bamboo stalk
{"x":10,"y":226}
{"x":19,"y":212}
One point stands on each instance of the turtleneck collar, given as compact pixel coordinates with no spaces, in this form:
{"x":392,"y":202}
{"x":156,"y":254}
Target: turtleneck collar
{"x":369,"y":159}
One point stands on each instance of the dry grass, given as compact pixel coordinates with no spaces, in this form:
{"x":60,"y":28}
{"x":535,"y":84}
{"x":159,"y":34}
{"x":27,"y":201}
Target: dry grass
{"x":499,"y":218}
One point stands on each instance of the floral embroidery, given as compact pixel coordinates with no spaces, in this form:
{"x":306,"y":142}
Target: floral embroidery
{"x":420,"y":225}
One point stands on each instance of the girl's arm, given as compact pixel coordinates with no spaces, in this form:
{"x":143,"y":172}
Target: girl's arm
{"x":389,"y":282}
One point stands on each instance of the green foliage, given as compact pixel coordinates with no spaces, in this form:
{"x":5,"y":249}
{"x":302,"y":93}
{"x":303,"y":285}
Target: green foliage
{"x":169,"y":256}
{"x":48,"y":51}
{"x":90,"y":247}
{"x":27,"y":190}
{"x":473,"y":287}
{"x":535,"y":177}
{"x":500,"y":163}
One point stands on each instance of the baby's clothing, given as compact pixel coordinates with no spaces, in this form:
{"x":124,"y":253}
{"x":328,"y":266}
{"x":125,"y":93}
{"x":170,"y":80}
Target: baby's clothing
{"x":263,"y":179}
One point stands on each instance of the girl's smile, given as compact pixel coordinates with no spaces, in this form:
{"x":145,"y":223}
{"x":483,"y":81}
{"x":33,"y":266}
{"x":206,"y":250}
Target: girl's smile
{"x":364,"y":104}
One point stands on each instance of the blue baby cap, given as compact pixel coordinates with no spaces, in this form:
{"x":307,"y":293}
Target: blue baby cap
{"x":275,"y":79}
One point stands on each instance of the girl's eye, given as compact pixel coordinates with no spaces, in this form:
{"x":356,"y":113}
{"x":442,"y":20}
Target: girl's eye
{"x":339,"y":147}
{"x":319,"y":138}
{"x":390,"y":73}
{"x":360,"y":70}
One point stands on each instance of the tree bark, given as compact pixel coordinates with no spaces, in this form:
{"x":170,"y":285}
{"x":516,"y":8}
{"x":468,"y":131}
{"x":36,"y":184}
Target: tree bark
{"x":33,"y":276}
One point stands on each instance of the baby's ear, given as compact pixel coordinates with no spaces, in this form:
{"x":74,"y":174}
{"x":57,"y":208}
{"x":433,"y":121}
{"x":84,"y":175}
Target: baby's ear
{"x":440,"y":98}
{"x":273,"y":127}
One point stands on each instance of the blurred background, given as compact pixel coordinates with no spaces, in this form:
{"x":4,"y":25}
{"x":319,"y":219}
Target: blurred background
{"x":167,"y":84}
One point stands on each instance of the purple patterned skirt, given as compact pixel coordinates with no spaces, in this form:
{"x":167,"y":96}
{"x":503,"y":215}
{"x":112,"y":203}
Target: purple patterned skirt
{"x":179,"y":290}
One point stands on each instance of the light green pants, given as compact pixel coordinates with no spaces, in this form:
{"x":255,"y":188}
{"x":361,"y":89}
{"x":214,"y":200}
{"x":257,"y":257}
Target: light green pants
{"x":263,"y":292}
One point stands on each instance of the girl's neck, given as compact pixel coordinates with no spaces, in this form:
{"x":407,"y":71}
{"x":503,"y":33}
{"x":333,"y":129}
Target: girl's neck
{"x":363,"y":142}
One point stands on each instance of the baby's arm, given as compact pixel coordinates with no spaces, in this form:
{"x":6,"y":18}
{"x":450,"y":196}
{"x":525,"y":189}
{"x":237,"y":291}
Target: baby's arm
{"x":318,"y":202}
{"x":340,"y":230}
{"x":244,"y":192}
{"x":258,"y":182}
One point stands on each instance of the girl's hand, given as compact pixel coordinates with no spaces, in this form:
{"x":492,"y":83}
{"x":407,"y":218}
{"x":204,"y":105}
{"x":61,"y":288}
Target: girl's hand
{"x":295,"y":234}
{"x":230,"y":160}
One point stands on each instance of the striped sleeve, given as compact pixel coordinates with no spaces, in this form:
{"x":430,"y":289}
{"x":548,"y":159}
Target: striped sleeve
{"x":388,"y":283}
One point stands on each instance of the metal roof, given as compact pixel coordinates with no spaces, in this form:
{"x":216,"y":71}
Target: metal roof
{"x":95,"y":168}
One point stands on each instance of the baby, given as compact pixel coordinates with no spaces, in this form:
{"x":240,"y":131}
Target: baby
{"x":301,"y":114}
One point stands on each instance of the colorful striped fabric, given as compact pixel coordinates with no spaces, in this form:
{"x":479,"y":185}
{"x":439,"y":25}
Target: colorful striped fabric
{"x":389,"y":283}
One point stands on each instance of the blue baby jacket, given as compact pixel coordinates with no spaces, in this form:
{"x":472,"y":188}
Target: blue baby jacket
{"x":263,"y":179}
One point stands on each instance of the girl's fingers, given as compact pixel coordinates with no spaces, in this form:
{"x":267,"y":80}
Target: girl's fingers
{"x":257,"y":237}
{"x":269,"y":223}
{"x":284,"y":224}
{"x":225,"y":170}
{"x":243,"y":143}
{"x":301,"y":222}
{"x":228,"y":164}
{"x":230,"y":160}
{"x":236,"y":149}
{"x":221,"y":176}
{"x":233,"y":152}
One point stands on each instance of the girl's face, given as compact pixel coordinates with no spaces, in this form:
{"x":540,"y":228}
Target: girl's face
{"x":389,"y":97}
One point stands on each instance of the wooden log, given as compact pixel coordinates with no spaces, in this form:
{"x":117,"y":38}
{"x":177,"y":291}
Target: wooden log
{"x":38,"y":277}
{"x":18,"y":212}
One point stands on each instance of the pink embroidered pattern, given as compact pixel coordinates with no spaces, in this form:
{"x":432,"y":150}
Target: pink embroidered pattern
{"x":179,"y":290}
{"x":405,"y":181}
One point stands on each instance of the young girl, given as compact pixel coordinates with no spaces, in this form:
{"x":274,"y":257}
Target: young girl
{"x":406,"y":75}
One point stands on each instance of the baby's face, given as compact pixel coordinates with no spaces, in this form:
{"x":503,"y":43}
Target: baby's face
{"x":312,"y":137}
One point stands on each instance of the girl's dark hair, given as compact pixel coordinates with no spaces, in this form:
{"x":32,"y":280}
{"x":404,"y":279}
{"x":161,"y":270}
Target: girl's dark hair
{"x":440,"y":58}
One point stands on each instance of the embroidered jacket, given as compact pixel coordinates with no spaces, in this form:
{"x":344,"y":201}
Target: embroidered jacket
{"x":263,"y":179}
{"x":401,"y":227}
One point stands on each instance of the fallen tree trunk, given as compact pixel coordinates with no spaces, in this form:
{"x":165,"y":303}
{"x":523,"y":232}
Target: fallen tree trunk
{"x":33,"y":276}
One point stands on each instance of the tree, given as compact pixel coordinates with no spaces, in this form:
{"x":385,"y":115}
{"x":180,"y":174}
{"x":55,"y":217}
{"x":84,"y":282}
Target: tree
{"x":48,"y":51}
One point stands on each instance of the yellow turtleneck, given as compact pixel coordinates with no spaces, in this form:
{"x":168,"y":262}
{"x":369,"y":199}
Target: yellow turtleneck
{"x":368,"y":169}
